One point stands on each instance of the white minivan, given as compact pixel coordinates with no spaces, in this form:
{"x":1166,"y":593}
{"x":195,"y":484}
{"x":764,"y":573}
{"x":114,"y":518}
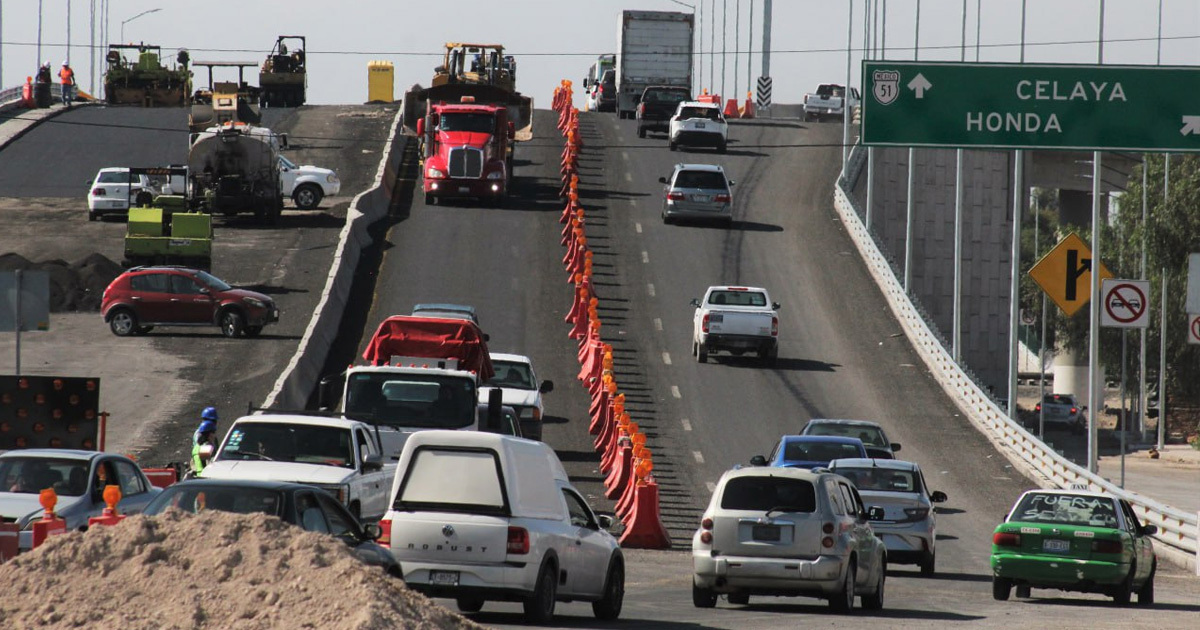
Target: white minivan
{"x":480,"y":516}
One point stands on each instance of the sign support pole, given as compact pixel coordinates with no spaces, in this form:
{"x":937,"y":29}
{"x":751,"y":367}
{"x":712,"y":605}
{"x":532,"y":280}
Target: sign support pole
{"x":908,"y":224}
{"x":1162,"y":365}
{"x":956,"y":324}
{"x":1015,"y":286}
{"x":1095,"y":393}
{"x":870,"y":185}
{"x":1124,"y":414}
{"x":1141,"y":424}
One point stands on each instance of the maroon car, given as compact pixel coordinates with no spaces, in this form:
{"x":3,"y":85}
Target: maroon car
{"x":145,"y":297}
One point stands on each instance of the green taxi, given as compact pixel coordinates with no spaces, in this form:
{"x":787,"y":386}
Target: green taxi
{"x":1073,"y":540}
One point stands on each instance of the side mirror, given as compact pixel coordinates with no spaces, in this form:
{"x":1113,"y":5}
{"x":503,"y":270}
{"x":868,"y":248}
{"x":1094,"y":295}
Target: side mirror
{"x":420,"y":126}
{"x":372,"y":531}
{"x":895,"y":447}
{"x":662,"y":180}
{"x":758,"y":460}
{"x":938,"y":496}
{"x":585,"y":83}
{"x":283,"y":140}
{"x":695,"y":302}
{"x":775,"y":305}
{"x":329,"y":391}
{"x":487,"y":337}
{"x":372,"y":463}
{"x":1149,"y":530}
{"x":875,"y":513}
{"x":605,"y":520}
{"x":546,"y":387}
{"x":732,"y":183}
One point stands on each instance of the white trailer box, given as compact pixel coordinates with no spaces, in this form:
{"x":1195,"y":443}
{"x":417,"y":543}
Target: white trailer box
{"x":653,"y":48}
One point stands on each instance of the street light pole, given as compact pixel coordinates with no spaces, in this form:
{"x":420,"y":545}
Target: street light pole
{"x":124,"y":22}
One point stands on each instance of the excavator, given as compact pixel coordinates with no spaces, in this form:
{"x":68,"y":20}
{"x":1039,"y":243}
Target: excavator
{"x":480,"y":72}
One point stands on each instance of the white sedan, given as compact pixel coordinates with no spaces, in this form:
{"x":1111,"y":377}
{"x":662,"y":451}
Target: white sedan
{"x":112,"y":189}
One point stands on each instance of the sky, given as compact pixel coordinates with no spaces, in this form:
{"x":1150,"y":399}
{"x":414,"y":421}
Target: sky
{"x":559,"y":39}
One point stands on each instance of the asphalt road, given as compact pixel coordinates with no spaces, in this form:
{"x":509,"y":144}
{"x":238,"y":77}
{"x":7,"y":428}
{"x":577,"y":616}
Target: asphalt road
{"x":842,"y":355}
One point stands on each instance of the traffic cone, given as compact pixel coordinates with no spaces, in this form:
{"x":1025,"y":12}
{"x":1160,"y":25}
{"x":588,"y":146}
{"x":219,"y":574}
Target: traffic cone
{"x":748,"y":110}
{"x":731,"y":109}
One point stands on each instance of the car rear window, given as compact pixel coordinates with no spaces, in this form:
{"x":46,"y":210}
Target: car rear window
{"x":762,"y":493}
{"x":700,"y":179}
{"x":453,"y":480}
{"x":666,"y":96}
{"x":819,"y":451}
{"x":870,"y":436}
{"x":737,"y":298}
{"x":1065,"y":509}
{"x":881,"y":479}
{"x":112,"y":177}
{"x":234,"y":499}
{"x":709,"y":113}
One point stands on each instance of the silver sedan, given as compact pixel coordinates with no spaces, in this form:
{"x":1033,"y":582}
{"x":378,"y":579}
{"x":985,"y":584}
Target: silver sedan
{"x":697,"y":191}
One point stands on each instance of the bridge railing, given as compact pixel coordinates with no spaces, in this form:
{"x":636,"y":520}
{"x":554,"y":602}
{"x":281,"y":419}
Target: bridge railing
{"x":1177,"y":528}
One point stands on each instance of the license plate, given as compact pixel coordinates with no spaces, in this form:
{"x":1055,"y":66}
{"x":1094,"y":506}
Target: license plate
{"x":464,"y":189}
{"x":768,"y":533}
{"x":443,"y":578}
{"x":716,"y":318}
{"x":701,"y":198}
{"x":700,"y":125}
{"x":1057,"y":546}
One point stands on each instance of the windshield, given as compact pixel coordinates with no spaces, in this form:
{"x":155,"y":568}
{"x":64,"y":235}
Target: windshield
{"x":760,"y":494}
{"x":881,"y":479}
{"x":870,"y":436}
{"x":476,"y":123}
{"x":212,"y":281}
{"x":198,"y":498}
{"x":113,"y":177}
{"x":1065,"y":509}
{"x":412,"y":400}
{"x":512,"y":374}
{"x":31,"y":475}
{"x":281,"y":442}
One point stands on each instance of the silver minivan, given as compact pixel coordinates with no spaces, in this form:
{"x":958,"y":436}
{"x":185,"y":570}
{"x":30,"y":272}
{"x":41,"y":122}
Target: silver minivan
{"x":697,"y":191}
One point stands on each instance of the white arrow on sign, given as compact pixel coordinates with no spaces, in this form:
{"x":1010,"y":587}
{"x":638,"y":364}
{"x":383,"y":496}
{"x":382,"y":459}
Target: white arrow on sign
{"x":919,"y":84}
{"x":1191,"y":125}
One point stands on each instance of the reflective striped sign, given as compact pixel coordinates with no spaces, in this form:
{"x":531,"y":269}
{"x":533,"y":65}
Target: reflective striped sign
{"x":764,"y":92}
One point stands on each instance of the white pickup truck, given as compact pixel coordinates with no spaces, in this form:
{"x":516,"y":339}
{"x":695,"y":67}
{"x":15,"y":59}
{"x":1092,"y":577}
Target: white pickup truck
{"x":736,"y":320}
{"x":829,"y":101}
{"x":342,"y":456}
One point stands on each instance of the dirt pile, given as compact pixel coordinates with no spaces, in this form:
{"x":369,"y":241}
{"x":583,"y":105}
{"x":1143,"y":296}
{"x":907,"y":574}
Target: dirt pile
{"x":213,"y":570}
{"x":77,"y":286}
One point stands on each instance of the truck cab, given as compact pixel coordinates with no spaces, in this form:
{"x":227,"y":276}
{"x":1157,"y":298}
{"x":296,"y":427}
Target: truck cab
{"x":466,"y":151}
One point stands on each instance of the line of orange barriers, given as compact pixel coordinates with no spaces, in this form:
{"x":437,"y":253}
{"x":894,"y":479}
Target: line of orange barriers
{"x":624,"y":458}
{"x":51,"y":525}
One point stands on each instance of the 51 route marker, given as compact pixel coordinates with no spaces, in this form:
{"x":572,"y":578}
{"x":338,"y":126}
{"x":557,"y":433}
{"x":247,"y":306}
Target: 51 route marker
{"x":1031,"y":106}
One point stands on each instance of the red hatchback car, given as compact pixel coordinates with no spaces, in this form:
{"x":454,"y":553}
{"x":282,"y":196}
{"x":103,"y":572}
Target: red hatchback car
{"x":145,"y":297}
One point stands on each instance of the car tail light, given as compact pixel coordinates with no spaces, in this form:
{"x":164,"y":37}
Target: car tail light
{"x":774,"y":326}
{"x":518,"y":540}
{"x":675,"y":196}
{"x":827,"y":528}
{"x":1074,"y":410}
{"x":385,"y":529}
{"x":600,"y":90}
{"x":706,"y":523}
{"x":721,"y":198}
{"x":99,"y":192}
{"x":827,"y":542}
{"x":916,"y":514}
{"x":1006,"y":539}
{"x":805,"y":99}
{"x":641,"y":108}
{"x":704,"y":323}
{"x":1037,"y":408}
{"x":706,"y":538}
{"x":1107,"y":546}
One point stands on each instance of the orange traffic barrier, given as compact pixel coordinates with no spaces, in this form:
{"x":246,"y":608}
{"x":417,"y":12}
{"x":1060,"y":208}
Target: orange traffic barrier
{"x":615,"y":483}
{"x":596,"y":411}
{"x":731,"y":109}
{"x":112,"y":496}
{"x":709,"y":98}
{"x":50,"y":525}
{"x":645,"y":529}
{"x":161,"y":477}
{"x":748,"y":109}
{"x":10,"y":541}
{"x":608,"y":422}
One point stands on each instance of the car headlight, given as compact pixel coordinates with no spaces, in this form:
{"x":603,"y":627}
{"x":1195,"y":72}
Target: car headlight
{"x":332,"y":178}
{"x":496,"y":175}
{"x":255,"y":302}
{"x":434,"y":173}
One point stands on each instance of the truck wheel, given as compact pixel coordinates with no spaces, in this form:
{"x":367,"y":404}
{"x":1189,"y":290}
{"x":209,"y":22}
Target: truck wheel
{"x":641,"y":131}
{"x":701,"y":353}
{"x":123,"y":322}
{"x":539,"y":608}
{"x":231,"y":323}
{"x":703,"y":597}
{"x":469,"y":604}
{"x":307,"y":196}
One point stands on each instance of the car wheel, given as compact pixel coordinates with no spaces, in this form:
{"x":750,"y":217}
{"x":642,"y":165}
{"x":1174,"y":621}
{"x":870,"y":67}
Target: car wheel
{"x":695,"y":347}
{"x":539,"y":608}
{"x":703,"y":597}
{"x":721,"y":147}
{"x":92,"y":216}
{"x":843,"y":600}
{"x":739,"y":599}
{"x":252,"y":331}
{"x":307,"y":196}
{"x":927,"y":564}
{"x":231,"y":323}
{"x":671,"y":144}
{"x":874,"y":601}
{"x":143,"y":199}
{"x":641,"y":131}
{"x":701,"y":353}
{"x":469,"y":604}
{"x":807,"y":117}
{"x":123,"y":322}
{"x":1024,"y":591}
{"x":1145,"y":594}
{"x":1001,"y":587}
{"x":609,"y":607}
{"x":1124,"y":591}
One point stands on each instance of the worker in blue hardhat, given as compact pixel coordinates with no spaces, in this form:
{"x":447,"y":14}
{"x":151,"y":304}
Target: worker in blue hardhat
{"x":204,"y":440}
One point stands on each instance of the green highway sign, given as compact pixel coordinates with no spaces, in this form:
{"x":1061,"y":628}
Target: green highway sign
{"x":1030,"y":106}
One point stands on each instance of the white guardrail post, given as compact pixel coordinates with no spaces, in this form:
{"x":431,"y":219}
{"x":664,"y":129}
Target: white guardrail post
{"x":1177,"y":529}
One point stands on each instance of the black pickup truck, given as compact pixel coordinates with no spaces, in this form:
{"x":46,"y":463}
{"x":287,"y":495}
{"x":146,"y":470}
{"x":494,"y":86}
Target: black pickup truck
{"x":656,"y":106}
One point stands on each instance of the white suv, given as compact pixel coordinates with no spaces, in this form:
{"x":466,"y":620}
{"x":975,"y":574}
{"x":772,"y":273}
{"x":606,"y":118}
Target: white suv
{"x":480,"y":516}
{"x":698,"y":124}
{"x":518,"y":384}
{"x":307,"y":185}
{"x":787,"y":531}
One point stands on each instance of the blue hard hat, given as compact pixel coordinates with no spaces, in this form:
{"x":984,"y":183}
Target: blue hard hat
{"x":208,"y":426}
{"x":209,"y":413}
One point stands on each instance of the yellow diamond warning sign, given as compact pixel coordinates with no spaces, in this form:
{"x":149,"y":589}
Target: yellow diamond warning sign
{"x":1065,"y":274}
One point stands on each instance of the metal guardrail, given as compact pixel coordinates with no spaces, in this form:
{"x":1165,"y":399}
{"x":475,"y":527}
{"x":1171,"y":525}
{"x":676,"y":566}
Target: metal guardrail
{"x":10,"y":94}
{"x":1177,"y":528}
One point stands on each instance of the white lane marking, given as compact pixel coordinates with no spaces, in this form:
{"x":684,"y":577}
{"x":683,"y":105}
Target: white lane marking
{"x":645,"y":257}
{"x":657,"y":324}
{"x":712,"y":487}
{"x":687,"y":424}
{"x":633,"y":202}
{"x":628,"y":177}
{"x":625,"y":155}
{"x":699,"y":457}
{"x":638,"y":227}
{"x":667,"y":358}
{"x":650,"y":289}
{"x":675,"y":391}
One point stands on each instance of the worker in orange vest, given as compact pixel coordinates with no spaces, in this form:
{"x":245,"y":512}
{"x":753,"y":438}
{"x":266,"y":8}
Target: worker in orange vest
{"x":67,"y":76}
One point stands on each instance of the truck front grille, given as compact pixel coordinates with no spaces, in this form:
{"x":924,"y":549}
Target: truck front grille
{"x":466,"y":162}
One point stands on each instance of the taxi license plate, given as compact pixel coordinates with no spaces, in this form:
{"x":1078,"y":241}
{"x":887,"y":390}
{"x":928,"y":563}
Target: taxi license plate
{"x":1057,"y":546}
{"x":768,"y":533}
{"x":443,"y":578}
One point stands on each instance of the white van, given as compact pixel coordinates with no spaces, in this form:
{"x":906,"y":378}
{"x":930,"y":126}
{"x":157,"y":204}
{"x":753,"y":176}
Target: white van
{"x":480,"y":516}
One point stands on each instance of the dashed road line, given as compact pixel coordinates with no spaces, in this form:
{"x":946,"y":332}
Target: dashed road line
{"x":645,"y":257}
{"x":650,"y":289}
{"x":638,"y":227}
{"x":712,"y":487}
{"x":667,"y":358}
{"x":657,"y":324}
{"x":675,"y":391}
{"x":628,"y":177}
{"x":699,"y":457}
{"x":687,"y":424}
{"x":625,"y":155}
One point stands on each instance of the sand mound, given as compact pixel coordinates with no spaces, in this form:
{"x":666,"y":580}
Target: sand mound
{"x":77,"y":286}
{"x":214,"y":570}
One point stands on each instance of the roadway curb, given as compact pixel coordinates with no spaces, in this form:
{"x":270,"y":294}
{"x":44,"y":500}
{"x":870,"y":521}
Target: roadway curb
{"x":25,"y":125}
{"x":298,"y":379}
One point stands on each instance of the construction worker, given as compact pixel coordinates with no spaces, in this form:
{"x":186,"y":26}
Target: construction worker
{"x":67,"y":76}
{"x":204,"y":440}
{"x":43,"y":73}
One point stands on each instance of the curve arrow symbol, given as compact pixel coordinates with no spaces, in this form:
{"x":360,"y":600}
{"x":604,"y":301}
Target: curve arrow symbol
{"x":1191,"y":126}
{"x":919,"y":84}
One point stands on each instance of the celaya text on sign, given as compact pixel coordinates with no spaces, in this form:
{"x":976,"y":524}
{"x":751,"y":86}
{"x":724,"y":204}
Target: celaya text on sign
{"x":1038,"y":90}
